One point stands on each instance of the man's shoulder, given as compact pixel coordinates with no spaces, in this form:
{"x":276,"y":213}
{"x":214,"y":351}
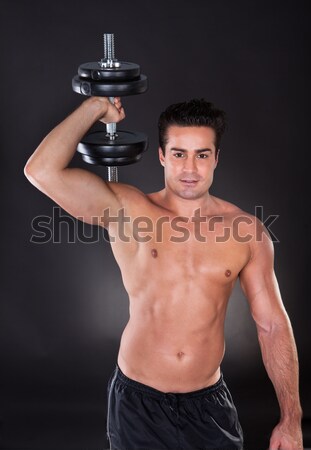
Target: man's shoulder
{"x":230,"y":209}
{"x":238,"y":217}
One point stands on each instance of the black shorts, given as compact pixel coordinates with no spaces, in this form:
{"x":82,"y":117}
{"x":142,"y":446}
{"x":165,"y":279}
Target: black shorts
{"x":142,"y":418}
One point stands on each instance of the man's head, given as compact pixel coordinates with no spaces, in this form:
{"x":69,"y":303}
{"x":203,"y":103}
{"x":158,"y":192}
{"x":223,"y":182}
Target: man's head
{"x":189,"y":135}
{"x":194,"y":113}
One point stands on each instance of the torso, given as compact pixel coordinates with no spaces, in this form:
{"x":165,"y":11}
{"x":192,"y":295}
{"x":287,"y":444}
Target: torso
{"x":179,"y":282}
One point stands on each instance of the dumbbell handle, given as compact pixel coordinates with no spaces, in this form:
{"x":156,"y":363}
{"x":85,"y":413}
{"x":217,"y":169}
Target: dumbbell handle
{"x":109,"y":59}
{"x":111,"y":129}
{"x":113,"y":174}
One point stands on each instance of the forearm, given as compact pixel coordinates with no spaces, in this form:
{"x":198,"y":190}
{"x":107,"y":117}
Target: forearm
{"x":57,"y":149}
{"x":280,"y":358}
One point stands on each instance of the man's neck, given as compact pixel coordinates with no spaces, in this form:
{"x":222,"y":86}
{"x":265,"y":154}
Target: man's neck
{"x":186,"y":207}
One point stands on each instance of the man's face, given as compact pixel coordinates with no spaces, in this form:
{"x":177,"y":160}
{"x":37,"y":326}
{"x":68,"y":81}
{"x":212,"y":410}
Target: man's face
{"x":189,"y":161}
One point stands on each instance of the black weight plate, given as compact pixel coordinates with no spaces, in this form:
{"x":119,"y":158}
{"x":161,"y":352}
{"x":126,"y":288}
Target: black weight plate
{"x":128,"y":146}
{"x":109,"y":88}
{"x":93,"y":70}
{"x":111,"y":161}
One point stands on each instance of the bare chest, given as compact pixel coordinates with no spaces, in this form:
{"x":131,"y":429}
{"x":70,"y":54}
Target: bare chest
{"x":176,"y":247}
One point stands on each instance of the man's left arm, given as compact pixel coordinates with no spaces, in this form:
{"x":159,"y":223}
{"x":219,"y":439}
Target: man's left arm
{"x":276,"y":339}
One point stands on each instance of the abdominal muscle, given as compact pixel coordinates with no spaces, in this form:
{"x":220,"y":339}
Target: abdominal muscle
{"x":173,"y":347}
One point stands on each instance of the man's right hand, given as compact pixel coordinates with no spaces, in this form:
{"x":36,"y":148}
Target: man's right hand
{"x":111,"y":112}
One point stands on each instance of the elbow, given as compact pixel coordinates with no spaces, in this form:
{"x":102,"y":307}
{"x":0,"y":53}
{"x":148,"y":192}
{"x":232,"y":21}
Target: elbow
{"x":34,"y":174}
{"x":273,"y":325}
{"x":30,"y":172}
{"x":264,"y":328}
{"x":34,"y":167}
{"x":264,"y":322}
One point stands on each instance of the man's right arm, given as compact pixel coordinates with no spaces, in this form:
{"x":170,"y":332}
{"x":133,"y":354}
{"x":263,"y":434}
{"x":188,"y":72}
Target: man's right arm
{"x":80,"y":192}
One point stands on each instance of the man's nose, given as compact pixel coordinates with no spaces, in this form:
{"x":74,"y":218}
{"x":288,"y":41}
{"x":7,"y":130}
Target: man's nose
{"x":190,"y":164}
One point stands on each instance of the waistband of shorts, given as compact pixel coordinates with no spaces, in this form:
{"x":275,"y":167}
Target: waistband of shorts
{"x":136,"y":385}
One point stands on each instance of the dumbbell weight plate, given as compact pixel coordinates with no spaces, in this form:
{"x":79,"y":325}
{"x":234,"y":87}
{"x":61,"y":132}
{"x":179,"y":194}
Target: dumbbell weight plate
{"x":93,"y":70}
{"x":114,"y":162}
{"x":109,"y":88}
{"x":127,"y":148}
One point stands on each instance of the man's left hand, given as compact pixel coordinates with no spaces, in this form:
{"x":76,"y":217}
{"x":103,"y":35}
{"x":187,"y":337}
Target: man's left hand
{"x":286,"y":437}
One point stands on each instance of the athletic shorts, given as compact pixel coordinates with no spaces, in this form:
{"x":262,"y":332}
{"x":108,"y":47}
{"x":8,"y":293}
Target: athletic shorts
{"x":140,"y":417}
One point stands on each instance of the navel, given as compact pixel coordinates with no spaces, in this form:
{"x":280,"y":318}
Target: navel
{"x":154,"y":253}
{"x":180,"y":354}
{"x":228,"y":273}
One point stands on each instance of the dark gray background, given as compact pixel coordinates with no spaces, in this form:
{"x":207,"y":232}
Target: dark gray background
{"x":63,"y":306}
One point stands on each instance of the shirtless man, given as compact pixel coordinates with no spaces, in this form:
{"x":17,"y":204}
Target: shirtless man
{"x":180,"y":253}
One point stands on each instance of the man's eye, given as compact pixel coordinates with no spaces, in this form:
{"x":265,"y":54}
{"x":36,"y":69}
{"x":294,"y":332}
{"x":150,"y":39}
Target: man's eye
{"x":203,"y":155}
{"x":178,"y":155}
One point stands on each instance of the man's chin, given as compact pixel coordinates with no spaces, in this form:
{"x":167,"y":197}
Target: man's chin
{"x":189,"y":195}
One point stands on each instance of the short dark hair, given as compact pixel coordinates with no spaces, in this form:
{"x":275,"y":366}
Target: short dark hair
{"x":195,"y":112}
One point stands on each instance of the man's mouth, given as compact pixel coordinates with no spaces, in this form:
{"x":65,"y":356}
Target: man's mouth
{"x":189,"y":181}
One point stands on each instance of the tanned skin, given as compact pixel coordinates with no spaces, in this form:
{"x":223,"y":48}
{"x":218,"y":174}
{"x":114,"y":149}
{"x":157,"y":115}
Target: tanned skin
{"x":180,"y":252}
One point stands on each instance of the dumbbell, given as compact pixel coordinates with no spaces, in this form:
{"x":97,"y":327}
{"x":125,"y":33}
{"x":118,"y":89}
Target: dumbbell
{"x":111,"y":78}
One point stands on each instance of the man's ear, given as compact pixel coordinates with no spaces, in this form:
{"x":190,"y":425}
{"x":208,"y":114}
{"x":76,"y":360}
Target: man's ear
{"x":217,"y":157}
{"x":161,"y":157}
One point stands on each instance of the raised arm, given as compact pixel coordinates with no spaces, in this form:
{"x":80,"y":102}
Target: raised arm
{"x":80,"y":192}
{"x":276,"y":339}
